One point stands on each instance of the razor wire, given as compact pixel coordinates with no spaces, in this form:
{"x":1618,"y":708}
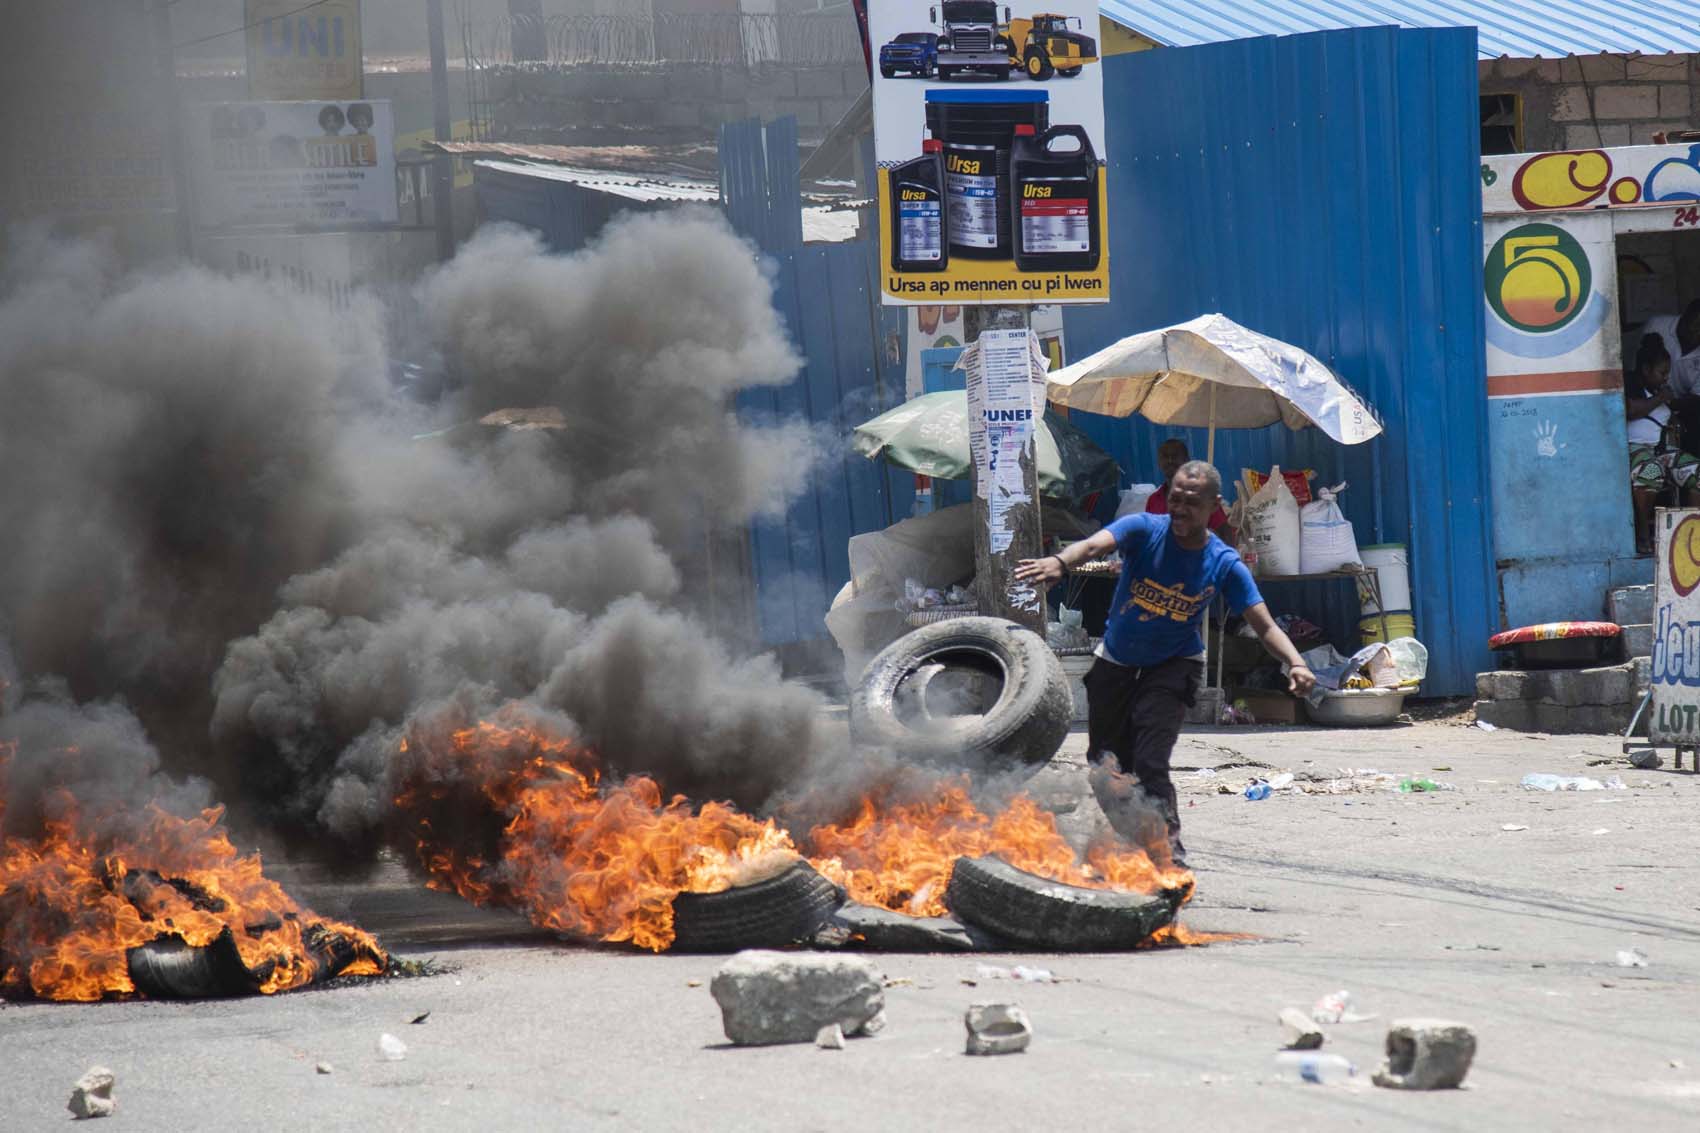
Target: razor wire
{"x":719,"y":39}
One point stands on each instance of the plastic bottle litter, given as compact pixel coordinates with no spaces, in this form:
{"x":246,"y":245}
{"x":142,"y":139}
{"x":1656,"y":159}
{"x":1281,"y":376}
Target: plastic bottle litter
{"x":1418,"y":786}
{"x":1257,"y":790}
{"x":1541,"y":781}
{"x":1336,"y":1007}
{"x":1312,"y":1066}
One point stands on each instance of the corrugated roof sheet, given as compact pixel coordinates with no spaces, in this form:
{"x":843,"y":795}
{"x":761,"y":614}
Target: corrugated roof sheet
{"x":1521,"y":29}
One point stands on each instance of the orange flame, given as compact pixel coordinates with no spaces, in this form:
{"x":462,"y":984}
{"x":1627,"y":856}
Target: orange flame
{"x":587,"y":858}
{"x":72,"y":904}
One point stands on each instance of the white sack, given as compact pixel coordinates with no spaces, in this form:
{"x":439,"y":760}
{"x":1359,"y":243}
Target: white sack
{"x":1326,"y":541}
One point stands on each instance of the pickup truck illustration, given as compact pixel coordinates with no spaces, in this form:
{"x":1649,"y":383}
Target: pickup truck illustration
{"x":916,"y":52}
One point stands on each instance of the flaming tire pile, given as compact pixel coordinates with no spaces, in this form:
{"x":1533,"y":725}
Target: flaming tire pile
{"x":1009,"y":908}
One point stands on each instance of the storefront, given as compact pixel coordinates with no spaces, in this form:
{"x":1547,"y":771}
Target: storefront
{"x":1580,"y":249}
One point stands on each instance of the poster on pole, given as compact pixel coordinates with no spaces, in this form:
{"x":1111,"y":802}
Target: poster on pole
{"x":989,"y":138}
{"x":1006,"y":400}
{"x":302,"y":164}
{"x":1676,"y":629}
{"x":303,"y":51}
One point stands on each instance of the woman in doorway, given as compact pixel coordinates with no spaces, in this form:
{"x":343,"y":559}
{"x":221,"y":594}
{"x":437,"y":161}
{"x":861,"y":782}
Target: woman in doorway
{"x":1655,"y":457}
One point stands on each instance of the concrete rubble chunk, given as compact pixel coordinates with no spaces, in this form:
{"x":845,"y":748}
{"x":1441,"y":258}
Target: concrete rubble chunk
{"x":830,"y":1037}
{"x":788,"y":997}
{"x":1426,"y":1054}
{"x":1299,"y":1030}
{"x":92,"y":1095}
{"x":997,"y":1028}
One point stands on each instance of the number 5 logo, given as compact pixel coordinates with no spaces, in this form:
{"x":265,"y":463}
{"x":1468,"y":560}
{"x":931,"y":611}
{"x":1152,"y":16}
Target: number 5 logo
{"x":1537,"y":278}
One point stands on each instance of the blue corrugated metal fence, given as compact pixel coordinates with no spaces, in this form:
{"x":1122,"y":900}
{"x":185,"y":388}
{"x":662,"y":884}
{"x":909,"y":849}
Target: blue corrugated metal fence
{"x":1322,"y":189}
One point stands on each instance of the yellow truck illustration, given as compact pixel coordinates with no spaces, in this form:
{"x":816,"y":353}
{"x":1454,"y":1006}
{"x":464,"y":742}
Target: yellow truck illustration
{"x":1048,"y":44}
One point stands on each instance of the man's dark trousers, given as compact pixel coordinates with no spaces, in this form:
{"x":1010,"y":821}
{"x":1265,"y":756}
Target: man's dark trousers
{"x":1136,"y":715}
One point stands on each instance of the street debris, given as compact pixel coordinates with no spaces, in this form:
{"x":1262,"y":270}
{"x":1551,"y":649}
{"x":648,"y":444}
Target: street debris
{"x":1487,"y":727}
{"x":390,"y":1048}
{"x":1423,"y":785}
{"x":1257,"y":790}
{"x":997,"y":1028}
{"x":92,"y":1095}
{"x":1513,"y":826}
{"x":1426,"y":1054}
{"x":830,"y":1037}
{"x":1300,"y":1031}
{"x":420,"y":1018}
{"x":1647,"y":760}
{"x":787,"y":997}
{"x":1540,"y":781}
{"x":693,"y":983}
{"x":1020,"y":972}
{"x":1336,"y":1007}
{"x":324,"y":1068}
{"x":1631,"y":958}
{"x":1319,"y":1069}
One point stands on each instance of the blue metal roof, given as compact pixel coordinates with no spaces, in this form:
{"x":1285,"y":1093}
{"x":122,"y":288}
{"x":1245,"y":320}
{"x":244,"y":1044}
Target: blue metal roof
{"x":1522,"y":29}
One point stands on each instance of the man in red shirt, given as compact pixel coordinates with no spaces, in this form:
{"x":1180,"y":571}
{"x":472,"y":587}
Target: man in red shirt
{"x":1171,"y":454}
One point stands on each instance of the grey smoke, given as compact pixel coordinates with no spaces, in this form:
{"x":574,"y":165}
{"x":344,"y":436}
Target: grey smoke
{"x":232,"y":524}
{"x":582,"y":601}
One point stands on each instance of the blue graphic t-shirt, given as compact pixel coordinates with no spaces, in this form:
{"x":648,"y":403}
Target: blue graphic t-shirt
{"x":1164,"y":589}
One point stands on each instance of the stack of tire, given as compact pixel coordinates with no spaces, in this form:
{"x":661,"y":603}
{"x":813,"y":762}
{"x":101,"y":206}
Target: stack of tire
{"x":903,"y":705}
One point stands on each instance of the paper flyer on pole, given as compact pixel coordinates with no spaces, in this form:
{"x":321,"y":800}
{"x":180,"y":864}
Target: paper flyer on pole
{"x":989,"y":138}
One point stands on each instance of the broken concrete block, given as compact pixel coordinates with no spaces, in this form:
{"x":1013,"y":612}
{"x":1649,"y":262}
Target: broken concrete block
{"x":830,"y":1037}
{"x":1300,"y":1031}
{"x":787,"y":997}
{"x":92,"y":1095}
{"x":997,"y":1028}
{"x":1426,"y":1054}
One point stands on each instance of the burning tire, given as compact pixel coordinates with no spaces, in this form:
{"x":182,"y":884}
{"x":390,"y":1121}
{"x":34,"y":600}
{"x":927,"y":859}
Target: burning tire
{"x":787,"y":908}
{"x":967,"y":690}
{"x":1038,"y":913}
{"x":170,"y":968}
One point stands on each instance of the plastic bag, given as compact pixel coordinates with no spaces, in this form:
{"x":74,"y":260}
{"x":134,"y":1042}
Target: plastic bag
{"x":1410,"y":658}
{"x":1326,"y":541}
{"x":1270,"y":539}
{"x":1134,"y":499}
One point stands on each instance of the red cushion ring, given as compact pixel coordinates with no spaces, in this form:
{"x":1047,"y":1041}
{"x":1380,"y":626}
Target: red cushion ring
{"x":1552,"y":631}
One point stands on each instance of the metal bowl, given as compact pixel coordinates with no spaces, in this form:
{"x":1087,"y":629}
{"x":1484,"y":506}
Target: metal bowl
{"x":1358,"y":708}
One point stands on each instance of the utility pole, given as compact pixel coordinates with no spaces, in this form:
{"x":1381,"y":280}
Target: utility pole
{"x":175,"y":151}
{"x":1006,"y":504}
{"x":442,"y":166}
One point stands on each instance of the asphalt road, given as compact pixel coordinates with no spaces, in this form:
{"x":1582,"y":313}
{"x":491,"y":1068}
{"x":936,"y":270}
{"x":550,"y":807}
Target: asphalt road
{"x":1420,"y":905}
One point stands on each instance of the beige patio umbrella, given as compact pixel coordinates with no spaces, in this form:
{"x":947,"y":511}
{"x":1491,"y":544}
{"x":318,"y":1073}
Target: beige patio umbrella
{"x":1210,"y":373}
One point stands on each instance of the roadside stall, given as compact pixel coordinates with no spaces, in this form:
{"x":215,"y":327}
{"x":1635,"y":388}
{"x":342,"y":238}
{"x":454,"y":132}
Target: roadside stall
{"x":1211,"y":372}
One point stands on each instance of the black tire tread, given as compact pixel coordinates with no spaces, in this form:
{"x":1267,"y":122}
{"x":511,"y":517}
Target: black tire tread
{"x":1040,"y":913}
{"x":1028,"y":731}
{"x":788,"y":908}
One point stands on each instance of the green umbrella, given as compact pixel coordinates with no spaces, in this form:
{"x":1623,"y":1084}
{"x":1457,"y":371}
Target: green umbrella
{"x":929,"y":435}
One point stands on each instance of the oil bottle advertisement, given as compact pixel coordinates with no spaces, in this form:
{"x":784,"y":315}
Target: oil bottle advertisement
{"x":989,"y":137}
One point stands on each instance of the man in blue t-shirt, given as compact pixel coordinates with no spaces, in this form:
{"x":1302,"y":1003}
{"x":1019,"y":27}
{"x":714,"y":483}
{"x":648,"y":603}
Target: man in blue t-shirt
{"x":1151,"y":661}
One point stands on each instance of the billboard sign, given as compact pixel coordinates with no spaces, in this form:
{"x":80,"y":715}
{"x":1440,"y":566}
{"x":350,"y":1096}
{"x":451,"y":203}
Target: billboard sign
{"x":989,"y":137}
{"x":300,"y":164}
{"x":298,"y":51}
{"x":1676,"y":629}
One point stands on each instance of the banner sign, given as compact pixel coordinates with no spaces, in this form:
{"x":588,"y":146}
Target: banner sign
{"x":989,"y":137}
{"x":304,"y":164}
{"x":304,"y":52}
{"x":1676,"y":629}
{"x":84,"y":155}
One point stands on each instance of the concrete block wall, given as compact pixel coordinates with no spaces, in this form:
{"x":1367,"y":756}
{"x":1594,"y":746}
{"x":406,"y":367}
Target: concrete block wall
{"x":1594,"y":101}
{"x":662,"y":105}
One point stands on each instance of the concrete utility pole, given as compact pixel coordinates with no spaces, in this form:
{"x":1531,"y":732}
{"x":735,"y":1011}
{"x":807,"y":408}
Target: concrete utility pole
{"x":442,"y":166}
{"x":1003,"y":536}
{"x":176,"y":151}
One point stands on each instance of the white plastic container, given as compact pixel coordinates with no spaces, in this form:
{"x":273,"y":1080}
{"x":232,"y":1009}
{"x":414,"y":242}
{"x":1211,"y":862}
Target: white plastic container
{"x":1358,"y":708}
{"x":1392,"y":564}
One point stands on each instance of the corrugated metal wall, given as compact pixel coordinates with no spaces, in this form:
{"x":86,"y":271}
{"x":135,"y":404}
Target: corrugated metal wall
{"x":1323,"y":189}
